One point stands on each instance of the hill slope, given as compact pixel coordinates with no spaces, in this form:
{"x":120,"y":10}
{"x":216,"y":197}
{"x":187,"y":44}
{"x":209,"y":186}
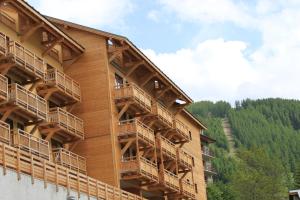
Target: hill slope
{"x":268,"y":129}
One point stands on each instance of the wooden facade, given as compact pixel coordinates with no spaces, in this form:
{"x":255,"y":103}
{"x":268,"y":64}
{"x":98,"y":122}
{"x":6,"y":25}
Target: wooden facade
{"x":90,"y":104}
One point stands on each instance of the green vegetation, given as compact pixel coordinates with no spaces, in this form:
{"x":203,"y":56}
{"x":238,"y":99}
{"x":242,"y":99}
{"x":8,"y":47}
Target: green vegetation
{"x":267,"y":138}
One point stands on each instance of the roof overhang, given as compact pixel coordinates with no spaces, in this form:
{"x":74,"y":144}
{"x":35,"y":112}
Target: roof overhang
{"x":294,"y":193}
{"x":126,"y":41}
{"x":29,"y":10}
{"x":195,"y":120}
{"x":207,"y":139}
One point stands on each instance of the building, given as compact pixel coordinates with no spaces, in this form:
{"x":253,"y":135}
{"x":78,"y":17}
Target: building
{"x":87,"y":110}
{"x":209,"y":171}
{"x":294,"y":195}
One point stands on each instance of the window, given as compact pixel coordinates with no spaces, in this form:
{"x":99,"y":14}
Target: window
{"x":118,"y":80}
{"x":190,"y":133}
{"x":196,"y":188}
{"x":193,"y":161}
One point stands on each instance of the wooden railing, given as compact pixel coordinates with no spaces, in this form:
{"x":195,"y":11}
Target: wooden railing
{"x":187,"y":189}
{"x":69,"y":159}
{"x":166,"y":146}
{"x":136,"y":127}
{"x":28,"y":101}
{"x":64,"y":83}
{"x":140,"y":165}
{"x":3,"y":88}
{"x":31,"y":144}
{"x":8,"y":20}
{"x":67,"y":121}
{"x":206,"y":151}
{"x":49,"y":172}
{"x":27,"y":60}
{"x":133,"y":92}
{"x":182,"y":129}
{"x":184,"y":158}
{"x":3,"y":44}
{"x":4,"y":132}
{"x":170,"y":180}
{"x":163,"y":114}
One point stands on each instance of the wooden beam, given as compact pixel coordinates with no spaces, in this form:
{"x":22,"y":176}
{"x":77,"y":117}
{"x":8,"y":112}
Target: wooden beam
{"x":60,"y":40}
{"x":31,"y":31}
{"x":128,"y":144}
{"x":113,"y":49}
{"x":125,"y":107}
{"x":145,"y":81}
{"x":161,"y":93}
{"x":133,"y":68}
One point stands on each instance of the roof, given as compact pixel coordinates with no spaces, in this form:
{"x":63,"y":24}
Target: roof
{"x":207,"y":139}
{"x":195,"y":119}
{"x":126,"y":40}
{"x":66,"y":37}
{"x":295,"y":193}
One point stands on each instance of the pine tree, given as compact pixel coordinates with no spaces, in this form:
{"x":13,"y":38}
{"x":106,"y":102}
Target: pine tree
{"x":297,"y":177}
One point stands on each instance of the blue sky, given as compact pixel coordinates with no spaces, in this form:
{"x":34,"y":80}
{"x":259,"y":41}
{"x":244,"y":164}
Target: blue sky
{"x":213,"y":49}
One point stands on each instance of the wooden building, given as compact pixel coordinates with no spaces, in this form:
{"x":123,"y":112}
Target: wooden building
{"x":91,"y":103}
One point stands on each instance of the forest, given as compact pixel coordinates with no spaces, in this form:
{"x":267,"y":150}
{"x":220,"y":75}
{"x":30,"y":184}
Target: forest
{"x":266,"y":137}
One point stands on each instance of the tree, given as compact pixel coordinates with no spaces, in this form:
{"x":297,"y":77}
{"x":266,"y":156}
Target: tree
{"x":297,"y":177}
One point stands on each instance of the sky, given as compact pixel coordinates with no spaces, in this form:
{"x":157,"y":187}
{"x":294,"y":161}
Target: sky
{"x":213,"y":49}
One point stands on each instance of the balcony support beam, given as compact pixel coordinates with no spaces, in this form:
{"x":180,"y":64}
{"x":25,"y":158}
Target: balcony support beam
{"x":52,"y":45}
{"x":162,"y":92}
{"x":4,"y":68}
{"x":128,"y":144}
{"x":31,"y":31}
{"x":123,"y":110}
{"x":134,"y":67}
{"x":7,"y":113}
{"x":147,"y":79}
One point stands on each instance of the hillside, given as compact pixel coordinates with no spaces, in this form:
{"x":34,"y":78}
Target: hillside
{"x":266,"y":136}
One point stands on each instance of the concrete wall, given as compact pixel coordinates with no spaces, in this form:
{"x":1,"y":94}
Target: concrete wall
{"x":12,"y":189}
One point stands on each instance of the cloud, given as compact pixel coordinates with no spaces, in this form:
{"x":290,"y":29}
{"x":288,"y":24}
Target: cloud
{"x":88,"y":12}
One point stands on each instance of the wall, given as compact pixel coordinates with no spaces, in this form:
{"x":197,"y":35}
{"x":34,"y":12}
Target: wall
{"x":12,"y":189}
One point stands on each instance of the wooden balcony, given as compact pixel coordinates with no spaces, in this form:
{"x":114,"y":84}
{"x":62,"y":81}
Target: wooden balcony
{"x":185,"y":160}
{"x":59,"y":88}
{"x":187,"y":189}
{"x":69,"y":159}
{"x":133,"y":97}
{"x":206,"y":152}
{"x":3,"y":44}
{"x":183,"y":132}
{"x":66,"y":126}
{"x":135,"y":128}
{"x":138,"y":168}
{"x":25,"y":66}
{"x":169,"y":180}
{"x":166,"y":147}
{"x":4,"y":132}
{"x":163,"y":116}
{"x":3,"y":89}
{"x":30,"y":143}
{"x":24,"y":105}
{"x":209,"y":169}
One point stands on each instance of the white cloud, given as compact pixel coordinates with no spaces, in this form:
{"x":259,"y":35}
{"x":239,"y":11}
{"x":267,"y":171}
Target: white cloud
{"x":87,"y":12}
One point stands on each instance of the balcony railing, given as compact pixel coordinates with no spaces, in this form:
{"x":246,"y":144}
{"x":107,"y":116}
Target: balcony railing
{"x":170,"y":180}
{"x":66,"y":121}
{"x":8,"y":20}
{"x":187,"y":189}
{"x":27,"y":61}
{"x":69,"y":159}
{"x":209,"y":168}
{"x":64,"y":83}
{"x":207,"y":152}
{"x":28,"y":101}
{"x":182,"y":129}
{"x":3,"y":44}
{"x":137,"y":128}
{"x":184,"y":158}
{"x":3,"y":88}
{"x":163,"y":114}
{"x":138,"y":166}
{"x":167,"y":147}
{"x":31,"y":144}
{"x":131,"y":92}
{"x":4,"y":132}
